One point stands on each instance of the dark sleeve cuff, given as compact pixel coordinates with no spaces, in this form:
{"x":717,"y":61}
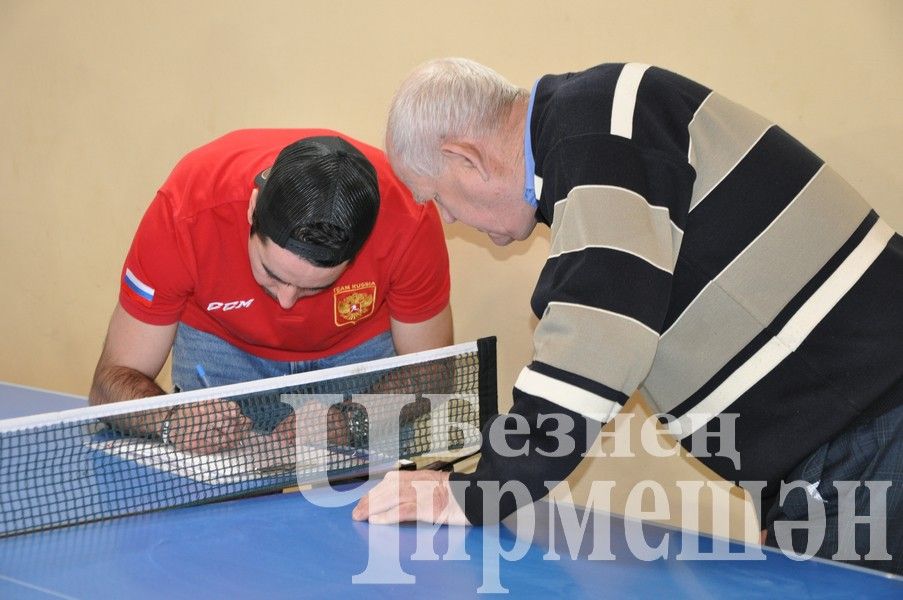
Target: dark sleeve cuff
{"x":519,"y":463}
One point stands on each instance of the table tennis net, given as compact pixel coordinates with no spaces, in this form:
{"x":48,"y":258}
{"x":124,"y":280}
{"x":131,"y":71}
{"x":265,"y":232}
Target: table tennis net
{"x":94,"y":463}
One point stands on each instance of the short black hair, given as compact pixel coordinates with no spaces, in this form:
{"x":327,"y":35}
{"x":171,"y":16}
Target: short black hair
{"x":319,"y":200}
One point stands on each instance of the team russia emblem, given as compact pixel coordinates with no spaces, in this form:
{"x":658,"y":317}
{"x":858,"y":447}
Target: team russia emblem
{"x":354,"y":302}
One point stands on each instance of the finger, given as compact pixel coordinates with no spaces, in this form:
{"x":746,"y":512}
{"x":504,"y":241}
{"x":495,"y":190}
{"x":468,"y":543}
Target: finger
{"x":208,"y":442}
{"x":229,"y":440}
{"x":338,"y":432}
{"x":284,"y":433}
{"x":235,"y":426}
{"x":362,"y":511}
{"x":242,"y":428}
{"x":418,"y":495}
{"x":385,"y":495}
{"x":199,"y":439}
{"x":232,"y":412}
{"x":234,"y":431}
{"x":427,"y":506}
{"x":217,"y":419}
{"x":397,"y":514}
{"x":191,"y":444}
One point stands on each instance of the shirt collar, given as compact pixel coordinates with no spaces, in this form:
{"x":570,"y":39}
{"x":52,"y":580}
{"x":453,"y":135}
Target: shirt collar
{"x":530,"y":178}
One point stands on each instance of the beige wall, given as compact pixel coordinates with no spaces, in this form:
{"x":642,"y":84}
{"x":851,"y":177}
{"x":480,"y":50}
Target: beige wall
{"x":100,"y":98}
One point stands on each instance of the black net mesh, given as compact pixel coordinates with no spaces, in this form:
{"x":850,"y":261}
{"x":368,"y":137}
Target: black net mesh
{"x":216,"y":446}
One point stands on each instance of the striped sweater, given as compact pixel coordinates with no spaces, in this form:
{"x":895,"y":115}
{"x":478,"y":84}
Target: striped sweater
{"x":703,"y":255}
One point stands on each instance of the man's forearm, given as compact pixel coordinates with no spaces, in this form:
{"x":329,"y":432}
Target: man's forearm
{"x":113,"y":384}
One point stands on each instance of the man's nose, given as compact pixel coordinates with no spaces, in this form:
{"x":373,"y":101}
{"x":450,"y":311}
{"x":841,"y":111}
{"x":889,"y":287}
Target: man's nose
{"x":287,"y":295}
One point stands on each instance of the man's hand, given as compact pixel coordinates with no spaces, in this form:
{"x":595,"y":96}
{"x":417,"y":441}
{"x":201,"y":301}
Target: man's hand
{"x":395,"y":500}
{"x":311,"y":417}
{"x":207,"y":427}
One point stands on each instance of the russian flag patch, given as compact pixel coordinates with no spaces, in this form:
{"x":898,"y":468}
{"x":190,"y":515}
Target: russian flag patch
{"x":137,"y":289}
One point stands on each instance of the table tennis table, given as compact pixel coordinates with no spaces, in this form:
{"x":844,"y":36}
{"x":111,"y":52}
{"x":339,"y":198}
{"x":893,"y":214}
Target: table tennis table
{"x":291,"y":545}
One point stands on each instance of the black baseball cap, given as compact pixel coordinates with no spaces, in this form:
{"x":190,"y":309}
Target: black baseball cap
{"x":318,"y":183}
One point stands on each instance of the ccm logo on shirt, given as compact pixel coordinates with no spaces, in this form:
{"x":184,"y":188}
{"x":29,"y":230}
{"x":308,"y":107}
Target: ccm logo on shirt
{"x":224,"y":306}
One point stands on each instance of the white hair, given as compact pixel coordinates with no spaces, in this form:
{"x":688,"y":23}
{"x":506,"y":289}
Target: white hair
{"x":446,"y":98}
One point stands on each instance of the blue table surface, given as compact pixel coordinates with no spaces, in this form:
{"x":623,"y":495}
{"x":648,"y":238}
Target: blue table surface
{"x":282,"y":546}
{"x":286,"y":546}
{"x":20,"y":400}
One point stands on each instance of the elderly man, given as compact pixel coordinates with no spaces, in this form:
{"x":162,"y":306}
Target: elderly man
{"x":699,"y":254}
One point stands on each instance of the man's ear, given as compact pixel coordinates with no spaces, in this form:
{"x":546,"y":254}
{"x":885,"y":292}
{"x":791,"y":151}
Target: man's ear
{"x":251,"y":204}
{"x":468,"y":156}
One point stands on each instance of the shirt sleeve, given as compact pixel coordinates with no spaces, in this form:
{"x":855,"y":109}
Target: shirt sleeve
{"x":420,"y":280}
{"x":602,"y":298}
{"x":156,"y":282}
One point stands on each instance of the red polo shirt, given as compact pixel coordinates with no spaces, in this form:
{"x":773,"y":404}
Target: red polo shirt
{"x":189,"y":258}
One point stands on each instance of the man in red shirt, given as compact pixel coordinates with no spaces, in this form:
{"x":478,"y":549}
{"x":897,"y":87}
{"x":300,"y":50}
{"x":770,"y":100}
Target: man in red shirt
{"x":249,"y":265}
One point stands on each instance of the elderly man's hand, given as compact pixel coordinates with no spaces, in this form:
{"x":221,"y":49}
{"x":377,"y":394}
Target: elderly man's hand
{"x":396,"y":500}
